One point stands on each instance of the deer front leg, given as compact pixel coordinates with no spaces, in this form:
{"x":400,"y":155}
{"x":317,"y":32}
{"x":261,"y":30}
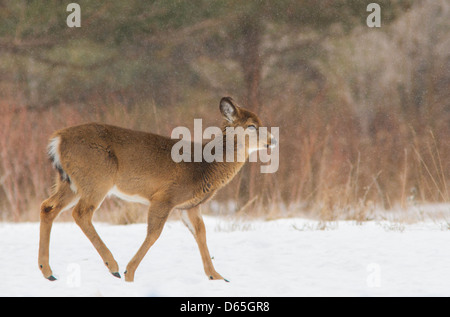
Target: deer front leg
{"x":157,"y":216}
{"x":192,"y":218}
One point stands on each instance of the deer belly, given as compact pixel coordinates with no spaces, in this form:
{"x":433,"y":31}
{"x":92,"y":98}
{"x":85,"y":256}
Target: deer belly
{"x":195,"y":201}
{"x":131,"y":198}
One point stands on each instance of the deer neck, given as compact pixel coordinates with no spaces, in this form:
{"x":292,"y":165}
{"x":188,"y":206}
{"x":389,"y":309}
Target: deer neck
{"x":217,"y":174}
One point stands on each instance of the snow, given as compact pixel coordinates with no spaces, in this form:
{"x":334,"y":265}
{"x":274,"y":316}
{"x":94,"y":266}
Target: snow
{"x":285,"y":257}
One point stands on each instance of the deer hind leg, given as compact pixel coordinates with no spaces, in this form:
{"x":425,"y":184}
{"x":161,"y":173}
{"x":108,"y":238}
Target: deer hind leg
{"x":157,"y":216}
{"x":192,"y":218}
{"x":62,"y":199}
{"x":82,"y":214}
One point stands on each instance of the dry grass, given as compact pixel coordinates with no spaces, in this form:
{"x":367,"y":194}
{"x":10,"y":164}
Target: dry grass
{"x":374,"y":135}
{"x":327,"y":169}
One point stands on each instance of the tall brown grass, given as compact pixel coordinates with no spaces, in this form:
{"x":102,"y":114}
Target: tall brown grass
{"x":328,"y":168}
{"x":372,"y":132}
{"x":334,"y":170}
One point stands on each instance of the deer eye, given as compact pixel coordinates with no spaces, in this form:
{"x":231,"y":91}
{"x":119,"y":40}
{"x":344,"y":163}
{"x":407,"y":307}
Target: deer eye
{"x":251,"y":127}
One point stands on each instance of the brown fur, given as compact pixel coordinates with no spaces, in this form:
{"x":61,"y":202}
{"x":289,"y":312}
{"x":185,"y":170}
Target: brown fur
{"x":96,"y":158}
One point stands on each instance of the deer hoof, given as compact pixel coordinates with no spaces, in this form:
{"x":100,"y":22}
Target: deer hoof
{"x":116,"y":274}
{"x":51,"y":278}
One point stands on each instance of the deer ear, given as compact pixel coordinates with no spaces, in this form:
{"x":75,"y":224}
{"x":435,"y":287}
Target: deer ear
{"x":228,"y":109}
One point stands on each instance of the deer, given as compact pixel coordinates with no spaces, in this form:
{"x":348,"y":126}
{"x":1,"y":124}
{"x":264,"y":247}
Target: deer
{"x":95,"y":160}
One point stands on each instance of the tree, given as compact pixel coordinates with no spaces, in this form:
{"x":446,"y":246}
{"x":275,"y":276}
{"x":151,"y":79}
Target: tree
{"x":253,"y":18}
{"x":147,"y":49}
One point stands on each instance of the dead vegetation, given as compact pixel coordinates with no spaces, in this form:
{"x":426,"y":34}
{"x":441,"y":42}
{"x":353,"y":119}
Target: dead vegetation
{"x":364,"y":125}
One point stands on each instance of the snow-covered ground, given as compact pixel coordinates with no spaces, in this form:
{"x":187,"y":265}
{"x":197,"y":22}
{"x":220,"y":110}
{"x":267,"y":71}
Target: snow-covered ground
{"x":287,"y":257}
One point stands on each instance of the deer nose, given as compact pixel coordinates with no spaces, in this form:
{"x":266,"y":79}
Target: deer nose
{"x":273,"y":143}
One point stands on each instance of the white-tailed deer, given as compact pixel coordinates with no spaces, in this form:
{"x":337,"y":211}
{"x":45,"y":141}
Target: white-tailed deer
{"x":94,"y":160}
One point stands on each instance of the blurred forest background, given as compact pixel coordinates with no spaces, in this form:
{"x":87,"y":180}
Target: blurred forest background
{"x":364,"y":113}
